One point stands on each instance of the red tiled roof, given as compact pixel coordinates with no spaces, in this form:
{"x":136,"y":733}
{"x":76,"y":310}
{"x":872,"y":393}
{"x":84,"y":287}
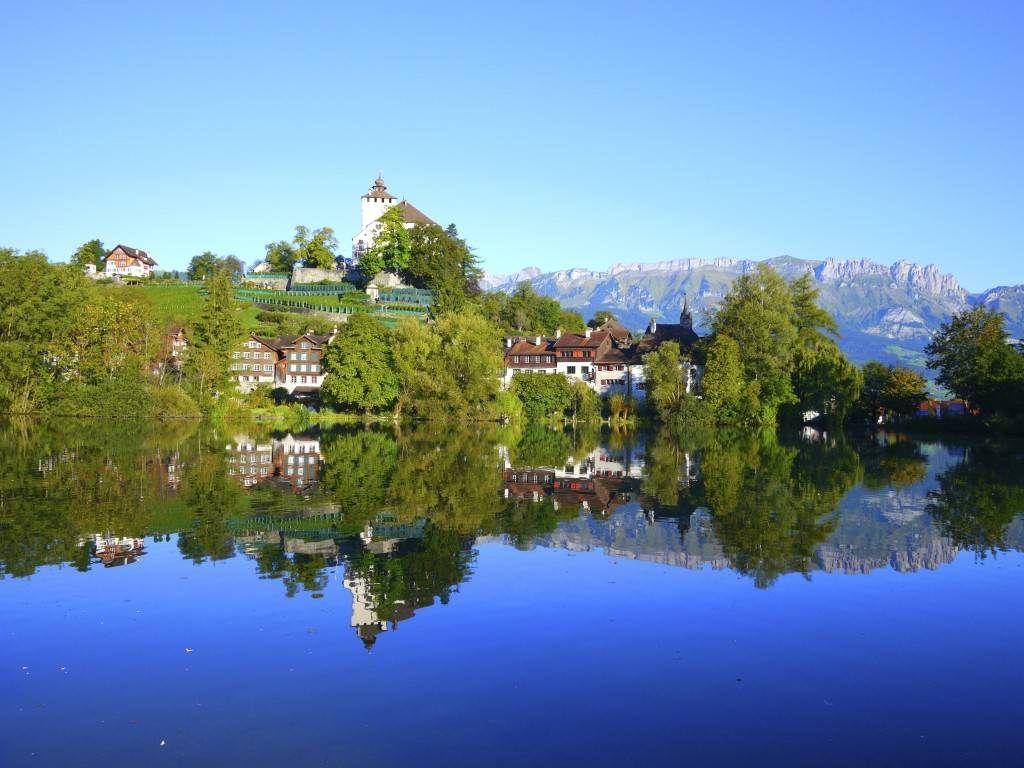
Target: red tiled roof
{"x":135,"y":253}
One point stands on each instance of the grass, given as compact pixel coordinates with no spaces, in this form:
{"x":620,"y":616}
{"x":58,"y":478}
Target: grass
{"x":181,"y":305}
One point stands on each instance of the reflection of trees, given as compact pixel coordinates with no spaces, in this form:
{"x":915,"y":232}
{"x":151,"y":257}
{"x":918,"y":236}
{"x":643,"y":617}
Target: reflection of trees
{"x":451,"y":478}
{"x":768,"y":501}
{"x":299,"y":572}
{"x":62,"y":481}
{"x":541,"y":445}
{"x":358,"y":470}
{"x":213,"y":497}
{"x":978,"y":499}
{"x":892,"y":460}
{"x":523,"y":521}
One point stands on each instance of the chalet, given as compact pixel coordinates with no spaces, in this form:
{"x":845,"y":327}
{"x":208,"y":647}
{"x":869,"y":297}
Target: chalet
{"x":294,"y":363}
{"x":124,"y":261}
{"x":250,"y":462}
{"x":608,"y":359}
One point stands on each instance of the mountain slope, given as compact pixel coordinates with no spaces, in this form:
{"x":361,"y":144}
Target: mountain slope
{"x":884,"y":312}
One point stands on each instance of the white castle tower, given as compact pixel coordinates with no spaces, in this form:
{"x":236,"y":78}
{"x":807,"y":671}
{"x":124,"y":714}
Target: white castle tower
{"x":375,"y":202}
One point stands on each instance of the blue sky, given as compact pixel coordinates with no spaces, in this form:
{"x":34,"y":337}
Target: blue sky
{"x":553,"y":134}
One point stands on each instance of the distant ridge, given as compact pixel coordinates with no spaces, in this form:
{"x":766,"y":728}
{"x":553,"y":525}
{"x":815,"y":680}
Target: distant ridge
{"x":885,"y":312}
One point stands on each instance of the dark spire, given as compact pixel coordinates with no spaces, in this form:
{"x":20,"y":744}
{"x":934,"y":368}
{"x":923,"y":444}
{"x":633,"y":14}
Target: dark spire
{"x":685,"y":318}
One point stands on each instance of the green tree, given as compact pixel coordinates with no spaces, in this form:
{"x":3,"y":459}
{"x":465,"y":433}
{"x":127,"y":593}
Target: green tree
{"x":213,"y":336}
{"x":665,"y":380}
{"x":527,"y":312}
{"x":392,"y":245}
{"x":202,"y":266}
{"x":315,"y":249}
{"x":976,"y":362}
{"x":360,"y":367}
{"x":722,"y":386}
{"x":903,"y":391}
{"x":541,"y":395}
{"x":600,"y":318}
{"x":281,"y":256}
{"x":875,"y":376}
{"x":91,"y":252}
{"x":758,"y":314}
{"x":440,"y":261}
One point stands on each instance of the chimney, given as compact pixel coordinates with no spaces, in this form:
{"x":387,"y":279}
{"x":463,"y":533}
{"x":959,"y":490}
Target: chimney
{"x":508,"y":342}
{"x":558,"y":333}
{"x":536,"y":340}
{"x":587,"y":334}
{"x":653,"y":327}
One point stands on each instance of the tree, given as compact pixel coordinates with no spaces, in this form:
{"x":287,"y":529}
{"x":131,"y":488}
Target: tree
{"x":527,"y":312}
{"x":600,"y":318}
{"x":442,"y":262}
{"x":903,"y":391}
{"x":316,"y":249}
{"x":281,"y":256}
{"x":91,"y":252}
{"x":212,"y":338}
{"x":875,"y":376}
{"x":542,"y":395}
{"x":976,"y":363}
{"x":233,"y":266}
{"x":758,"y":314}
{"x":665,"y":380}
{"x":392,"y":245}
{"x":360,"y":367}
{"x":202,"y":266}
{"x":722,"y":385}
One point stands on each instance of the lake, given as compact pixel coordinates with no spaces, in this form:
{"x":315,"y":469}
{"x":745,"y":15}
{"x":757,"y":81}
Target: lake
{"x":180,"y":595}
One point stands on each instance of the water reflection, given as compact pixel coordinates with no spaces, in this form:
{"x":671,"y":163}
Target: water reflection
{"x":394,"y":516}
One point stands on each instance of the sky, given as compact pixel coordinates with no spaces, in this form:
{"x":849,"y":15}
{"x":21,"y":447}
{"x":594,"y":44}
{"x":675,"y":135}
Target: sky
{"x":553,"y":134}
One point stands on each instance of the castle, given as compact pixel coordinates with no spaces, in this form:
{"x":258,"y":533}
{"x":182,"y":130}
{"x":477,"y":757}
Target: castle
{"x":373,"y":205}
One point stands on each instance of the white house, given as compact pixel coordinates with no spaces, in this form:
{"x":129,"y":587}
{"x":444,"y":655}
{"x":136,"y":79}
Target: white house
{"x":125,"y":261}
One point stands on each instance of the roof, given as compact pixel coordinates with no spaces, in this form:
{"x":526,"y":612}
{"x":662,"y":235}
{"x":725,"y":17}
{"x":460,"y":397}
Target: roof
{"x":135,"y":253}
{"x":413,"y":215}
{"x":615,"y":329}
{"x":287,"y":342}
{"x":530,"y":347}
{"x":379,"y":189}
{"x":595,"y":339}
{"x":682,"y":334}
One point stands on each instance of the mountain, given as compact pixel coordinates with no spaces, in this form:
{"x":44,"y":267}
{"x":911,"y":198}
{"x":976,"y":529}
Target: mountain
{"x":884,"y":312}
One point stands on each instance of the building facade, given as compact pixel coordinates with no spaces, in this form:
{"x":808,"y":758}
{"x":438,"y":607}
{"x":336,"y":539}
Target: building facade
{"x":293,"y":363}
{"x":124,"y":261}
{"x":608,"y":360}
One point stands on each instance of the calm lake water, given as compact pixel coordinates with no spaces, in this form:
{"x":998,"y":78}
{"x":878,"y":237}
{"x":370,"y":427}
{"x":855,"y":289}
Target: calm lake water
{"x":178,"y":596}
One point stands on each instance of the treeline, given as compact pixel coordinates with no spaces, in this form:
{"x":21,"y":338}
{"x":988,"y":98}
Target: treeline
{"x":73,"y":346}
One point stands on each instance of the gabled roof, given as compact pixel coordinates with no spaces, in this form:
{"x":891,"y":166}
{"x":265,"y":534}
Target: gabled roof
{"x":530,"y":347}
{"x":413,"y":215}
{"x":683,"y":335}
{"x":135,"y":253}
{"x":616,"y":330}
{"x":572,"y":340}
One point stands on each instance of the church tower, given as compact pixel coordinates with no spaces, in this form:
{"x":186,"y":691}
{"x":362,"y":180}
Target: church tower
{"x":685,"y":318}
{"x":375,"y":202}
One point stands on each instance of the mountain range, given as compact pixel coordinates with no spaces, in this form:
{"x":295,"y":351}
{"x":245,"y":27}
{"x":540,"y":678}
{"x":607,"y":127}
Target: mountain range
{"x":885,"y":313}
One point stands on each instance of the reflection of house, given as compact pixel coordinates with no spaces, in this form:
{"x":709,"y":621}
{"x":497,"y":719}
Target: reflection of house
{"x":607,"y":359}
{"x":128,"y":262}
{"x":297,"y":460}
{"x":250,"y":462}
{"x":294,"y":363}
{"x":116,"y":550}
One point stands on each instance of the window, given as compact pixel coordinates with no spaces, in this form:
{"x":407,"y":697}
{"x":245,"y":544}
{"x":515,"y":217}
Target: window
{"x":313,"y":379}
{"x":304,"y":380}
{"x":305,"y":345}
{"x":236,"y":355}
{"x":571,"y":370}
{"x":585,"y":369}
{"x":266,"y":355}
{"x":268,"y":367}
{"x":302,"y":356}
{"x":246,"y":355}
{"x":295,"y":379}
{"x":515,"y":358}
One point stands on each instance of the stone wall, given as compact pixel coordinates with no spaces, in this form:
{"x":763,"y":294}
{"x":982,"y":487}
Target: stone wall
{"x":304,"y":275}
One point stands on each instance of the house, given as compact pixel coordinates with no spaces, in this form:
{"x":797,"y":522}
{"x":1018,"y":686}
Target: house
{"x":294,"y":363}
{"x":176,"y":344}
{"x":125,"y":261}
{"x":607,"y":359}
{"x":373,"y":205}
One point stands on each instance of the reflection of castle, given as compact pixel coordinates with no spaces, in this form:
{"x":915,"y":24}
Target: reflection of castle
{"x":293,"y":460}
